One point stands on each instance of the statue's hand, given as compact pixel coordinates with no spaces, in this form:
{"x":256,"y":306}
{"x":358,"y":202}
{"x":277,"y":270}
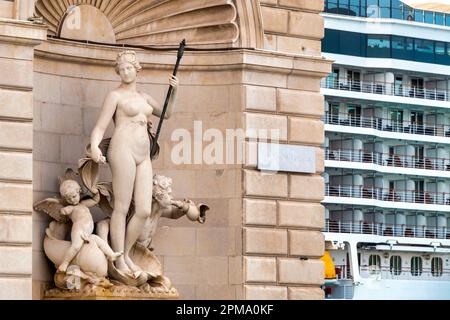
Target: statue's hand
{"x":174,"y":82}
{"x":97,"y":155}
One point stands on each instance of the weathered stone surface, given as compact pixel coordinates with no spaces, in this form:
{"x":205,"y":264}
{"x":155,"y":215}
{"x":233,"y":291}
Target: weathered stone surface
{"x":255,"y":183}
{"x":306,"y":187}
{"x":300,"y":24}
{"x":15,"y":260}
{"x":296,"y":271}
{"x":301,"y":215}
{"x":300,"y":102}
{"x":260,"y":212}
{"x":265,"y":241}
{"x":309,"y":131}
{"x":260,"y":98}
{"x":258,"y":292}
{"x":15,"y":288}
{"x":260,"y":269}
{"x":262,"y":125}
{"x":275,"y":20}
{"x":16,"y":166}
{"x":306,"y":243}
{"x":15,"y":229}
{"x":312,"y":5}
{"x":305,"y":293}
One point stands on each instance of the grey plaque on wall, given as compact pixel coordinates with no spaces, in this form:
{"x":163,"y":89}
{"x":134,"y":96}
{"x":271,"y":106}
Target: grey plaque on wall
{"x":286,"y":158}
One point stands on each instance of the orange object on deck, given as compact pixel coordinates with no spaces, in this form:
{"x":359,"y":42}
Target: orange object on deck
{"x":330,"y":271}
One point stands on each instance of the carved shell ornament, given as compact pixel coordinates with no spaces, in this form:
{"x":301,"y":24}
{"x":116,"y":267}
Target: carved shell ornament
{"x":162,"y":22}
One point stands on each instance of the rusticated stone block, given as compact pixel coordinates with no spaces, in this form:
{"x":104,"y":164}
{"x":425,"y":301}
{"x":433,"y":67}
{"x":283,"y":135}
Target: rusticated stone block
{"x":301,"y":215}
{"x":260,"y":269}
{"x":296,"y":271}
{"x":306,"y":187}
{"x":262,"y":184}
{"x":265,"y":241}
{"x":301,"y":102}
{"x":303,"y":130}
{"x":305,"y":293}
{"x":304,"y":243}
{"x":298,"y":45}
{"x":260,"y":212}
{"x":16,"y":135}
{"x":262,"y":126}
{"x":310,"y":5}
{"x":254,"y":292}
{"x":300,"y":25}
{"x":260,"y":98}
{"x":274,"y":19}
{"x":15,"y":229}
{"x":15,"y":260}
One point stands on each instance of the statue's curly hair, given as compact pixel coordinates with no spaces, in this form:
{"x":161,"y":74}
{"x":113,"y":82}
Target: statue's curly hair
{"x":161,"y":185}
{"x":127,"y":56}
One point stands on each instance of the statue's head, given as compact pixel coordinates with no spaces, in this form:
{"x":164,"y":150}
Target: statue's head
{"x":70,"y":190}
{"x":127,"y":66}
{"x":162,"y":190}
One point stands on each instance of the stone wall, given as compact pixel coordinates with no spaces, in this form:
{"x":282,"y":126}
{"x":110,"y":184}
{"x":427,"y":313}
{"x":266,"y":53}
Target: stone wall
{"x":293,"y":26}
{"x":16,"y":146}
{"x":283,"y":216}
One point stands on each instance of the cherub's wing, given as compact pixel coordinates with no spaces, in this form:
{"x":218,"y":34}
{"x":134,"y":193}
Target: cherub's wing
{"x":52,"y":207}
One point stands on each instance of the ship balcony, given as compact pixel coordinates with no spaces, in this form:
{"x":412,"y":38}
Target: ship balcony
{"x":385,"y":128}
{"x":387,"y":197}
{"x":383,"y":229}
{"x":385,"y":91}
{"x":387,"y":163}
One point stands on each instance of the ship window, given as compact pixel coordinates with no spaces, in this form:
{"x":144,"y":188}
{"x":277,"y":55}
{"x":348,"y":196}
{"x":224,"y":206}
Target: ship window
{"x":395,"y":265}
{"x":374,"y":264}
{"x":416,"y":266}
{"x":436,"y":267}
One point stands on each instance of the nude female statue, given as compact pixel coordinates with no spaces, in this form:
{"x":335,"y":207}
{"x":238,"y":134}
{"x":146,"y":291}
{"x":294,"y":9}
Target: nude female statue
{"x":129,"y":155}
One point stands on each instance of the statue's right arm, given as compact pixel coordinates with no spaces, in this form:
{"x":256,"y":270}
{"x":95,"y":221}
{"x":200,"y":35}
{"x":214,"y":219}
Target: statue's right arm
{"x":108,"y":110}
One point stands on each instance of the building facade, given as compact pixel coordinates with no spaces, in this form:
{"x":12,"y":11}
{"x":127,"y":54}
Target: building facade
{"x":387,"y":125}
{"x":260,"y":68}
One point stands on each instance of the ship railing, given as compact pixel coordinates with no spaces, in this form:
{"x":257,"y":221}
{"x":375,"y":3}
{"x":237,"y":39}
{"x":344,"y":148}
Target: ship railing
{"x":385,"y":124}
{"x":385,"y":229}
{"x":342,"y":272}
{"x":387,"y":159}
{"x":388,"y":194}
{"x":384,"y":88}
{"x":405,"y":273}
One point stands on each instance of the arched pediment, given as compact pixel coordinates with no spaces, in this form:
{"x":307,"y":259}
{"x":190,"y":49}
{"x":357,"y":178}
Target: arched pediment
{"x":210,"y":23}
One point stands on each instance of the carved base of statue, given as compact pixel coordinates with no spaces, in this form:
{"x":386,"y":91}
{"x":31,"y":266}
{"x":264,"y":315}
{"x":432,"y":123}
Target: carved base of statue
{"x":118,"y":292}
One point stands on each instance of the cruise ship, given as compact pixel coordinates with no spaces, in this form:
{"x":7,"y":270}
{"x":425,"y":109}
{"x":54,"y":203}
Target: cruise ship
{"x":387,"y":149}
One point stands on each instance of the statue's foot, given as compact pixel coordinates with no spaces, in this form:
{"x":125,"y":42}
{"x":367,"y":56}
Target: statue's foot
{"x":133,"y":267}
{"x":63,"y":267}
{"x":122,"y":266}
{"x":115,"y":255}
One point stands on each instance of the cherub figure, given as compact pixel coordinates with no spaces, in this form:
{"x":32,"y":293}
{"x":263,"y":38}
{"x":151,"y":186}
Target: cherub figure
{"x":71,"y":207}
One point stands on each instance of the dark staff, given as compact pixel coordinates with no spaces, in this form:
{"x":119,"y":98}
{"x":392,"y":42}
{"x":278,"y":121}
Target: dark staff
{"x":169,"y":93}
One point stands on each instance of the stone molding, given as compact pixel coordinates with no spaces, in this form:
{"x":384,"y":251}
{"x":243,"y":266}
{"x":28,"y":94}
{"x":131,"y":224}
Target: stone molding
{"x":209,"y":23}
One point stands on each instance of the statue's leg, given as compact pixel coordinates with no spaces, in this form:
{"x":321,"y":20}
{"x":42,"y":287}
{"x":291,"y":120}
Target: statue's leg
{"x":103,"y":229}
{"x":123,"y":169}
{"x":143,"y":206}
{"x":75,"y":247}
{"x":106,"y":249}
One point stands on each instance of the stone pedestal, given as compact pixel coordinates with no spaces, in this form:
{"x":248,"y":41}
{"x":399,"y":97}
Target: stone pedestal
{"x":114,"y":293}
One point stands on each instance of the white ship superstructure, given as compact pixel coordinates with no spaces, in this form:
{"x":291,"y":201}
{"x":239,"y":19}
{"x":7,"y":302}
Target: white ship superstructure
{"x":387,"y":150}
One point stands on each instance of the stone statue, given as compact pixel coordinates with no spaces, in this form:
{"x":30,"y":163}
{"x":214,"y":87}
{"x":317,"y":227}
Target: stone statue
{"x":120,"y":254}
{"x":79,"y":214}
{"x":128,"y":155}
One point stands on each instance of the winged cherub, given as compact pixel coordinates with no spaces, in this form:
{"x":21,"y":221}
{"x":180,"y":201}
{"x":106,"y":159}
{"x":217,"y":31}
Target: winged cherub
{"x":71,"y":207}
